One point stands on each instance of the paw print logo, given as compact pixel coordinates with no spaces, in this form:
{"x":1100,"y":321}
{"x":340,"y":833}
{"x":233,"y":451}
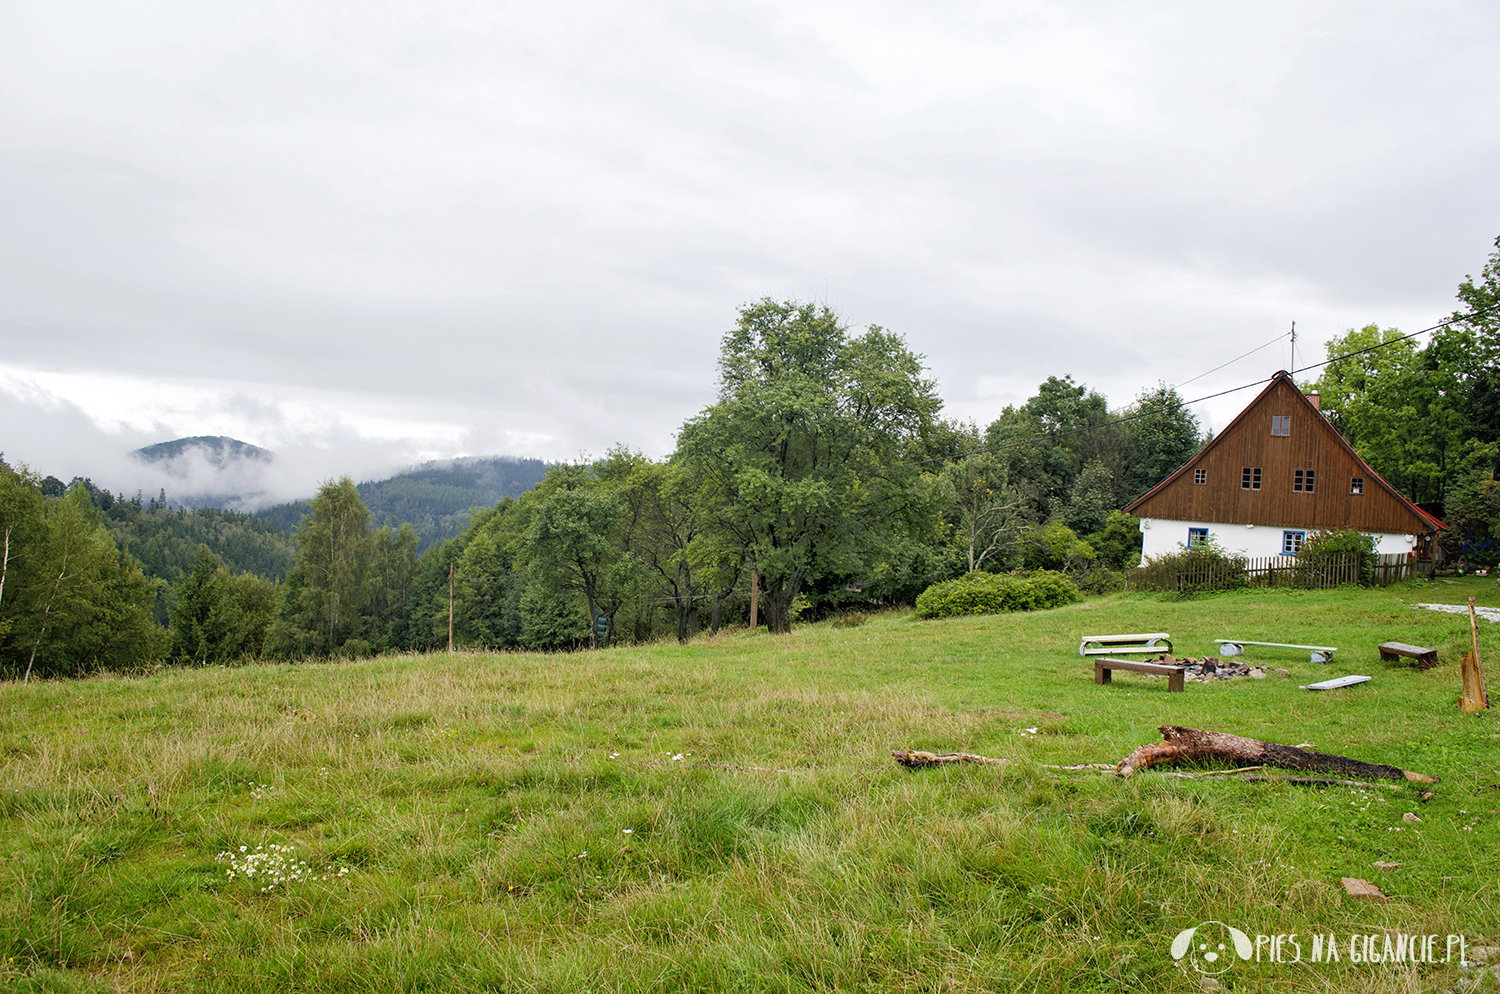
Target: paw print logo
{"x":1211,"y":947}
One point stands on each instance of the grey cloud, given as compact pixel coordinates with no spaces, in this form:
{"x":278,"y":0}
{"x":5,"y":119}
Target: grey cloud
{"x":535,"y":224}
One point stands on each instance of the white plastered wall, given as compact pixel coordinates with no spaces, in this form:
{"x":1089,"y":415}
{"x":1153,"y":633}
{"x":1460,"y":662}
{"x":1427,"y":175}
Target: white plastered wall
{"x":1163,"y":536}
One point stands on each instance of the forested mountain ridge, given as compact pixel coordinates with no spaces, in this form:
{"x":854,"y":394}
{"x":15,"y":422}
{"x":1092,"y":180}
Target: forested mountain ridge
{"x":435,"y":498}
{"x":218,"y":450}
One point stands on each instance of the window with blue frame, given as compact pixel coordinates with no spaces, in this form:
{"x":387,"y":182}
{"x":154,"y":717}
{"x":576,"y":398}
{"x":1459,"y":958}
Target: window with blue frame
{"x":1197,"y":536}
{"x":1291,"y":542}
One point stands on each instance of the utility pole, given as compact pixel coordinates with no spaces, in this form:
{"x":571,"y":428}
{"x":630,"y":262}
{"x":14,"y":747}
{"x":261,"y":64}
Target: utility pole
{"x":450,"y":607}
{"x":754,"y":598}
{"x":1293,"y":370}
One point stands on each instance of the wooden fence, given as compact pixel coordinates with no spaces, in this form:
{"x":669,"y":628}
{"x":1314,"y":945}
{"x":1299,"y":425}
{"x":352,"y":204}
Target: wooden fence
{"x":1305,"y":572}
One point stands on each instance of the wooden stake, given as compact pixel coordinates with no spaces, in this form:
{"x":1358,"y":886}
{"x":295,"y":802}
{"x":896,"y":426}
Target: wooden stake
{"x":450,"y":607}
{"x":754,"y":599}
{"x":1471,"y":670}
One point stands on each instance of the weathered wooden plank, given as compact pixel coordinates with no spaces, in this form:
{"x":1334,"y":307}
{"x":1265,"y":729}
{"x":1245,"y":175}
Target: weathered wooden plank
{"x":1337,"y":682}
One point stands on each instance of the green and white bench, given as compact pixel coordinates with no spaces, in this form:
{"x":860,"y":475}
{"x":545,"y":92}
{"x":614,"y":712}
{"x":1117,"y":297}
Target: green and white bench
{"x":1149,"y":643}
{"x":1236,"y":647}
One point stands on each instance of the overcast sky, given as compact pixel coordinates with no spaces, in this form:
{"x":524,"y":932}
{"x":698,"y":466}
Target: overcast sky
{"x":362,"y":234}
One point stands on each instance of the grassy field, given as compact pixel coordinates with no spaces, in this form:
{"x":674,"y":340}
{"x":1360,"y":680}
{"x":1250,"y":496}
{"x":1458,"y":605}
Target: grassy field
{"x":726,"y":816}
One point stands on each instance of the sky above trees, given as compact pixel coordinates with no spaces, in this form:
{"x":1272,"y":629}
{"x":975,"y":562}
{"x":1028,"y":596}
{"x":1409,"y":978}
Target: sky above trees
{"x":366,"y":235}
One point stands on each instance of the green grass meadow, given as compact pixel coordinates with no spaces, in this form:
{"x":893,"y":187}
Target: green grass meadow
{"x":725,"y":816}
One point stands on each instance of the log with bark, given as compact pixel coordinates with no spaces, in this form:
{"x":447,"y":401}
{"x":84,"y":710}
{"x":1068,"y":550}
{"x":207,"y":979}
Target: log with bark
{"x":1185,"y":745}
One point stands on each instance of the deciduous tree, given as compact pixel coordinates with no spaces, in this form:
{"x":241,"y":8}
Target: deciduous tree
{"x":802,"y":456}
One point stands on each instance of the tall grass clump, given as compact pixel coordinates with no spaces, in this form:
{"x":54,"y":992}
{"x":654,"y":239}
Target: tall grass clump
{"x":992,"y":593}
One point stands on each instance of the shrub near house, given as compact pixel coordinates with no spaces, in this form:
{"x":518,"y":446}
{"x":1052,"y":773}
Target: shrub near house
{"x":992,"y":593}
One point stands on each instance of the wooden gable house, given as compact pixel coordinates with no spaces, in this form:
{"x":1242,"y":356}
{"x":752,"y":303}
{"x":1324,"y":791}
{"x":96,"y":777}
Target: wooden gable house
{"x":1278,"y":471}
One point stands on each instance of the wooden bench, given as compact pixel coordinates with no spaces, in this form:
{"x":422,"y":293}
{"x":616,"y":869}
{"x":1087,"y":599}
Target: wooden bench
{"x":1150,"y":643}
{"x":1236,"y":647}
{"x":1172,"y":673}
{"x":1426,"y":658}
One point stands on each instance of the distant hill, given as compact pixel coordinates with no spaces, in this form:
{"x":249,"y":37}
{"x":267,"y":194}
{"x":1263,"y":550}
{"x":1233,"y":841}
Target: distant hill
{"x":209,"y":471}
{"x":219,"y":451}
{"x":435,"y":497}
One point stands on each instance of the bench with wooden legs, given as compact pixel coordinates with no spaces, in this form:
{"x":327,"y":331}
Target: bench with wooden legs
{"x":1102,"y":668}
{"x":1426,"y":658}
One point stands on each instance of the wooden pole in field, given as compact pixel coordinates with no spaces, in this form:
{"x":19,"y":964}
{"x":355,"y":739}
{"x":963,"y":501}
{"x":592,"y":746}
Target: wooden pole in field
{"x":754,"y":599}
{"x":450,"y":607}
{"x":1471,"y":670}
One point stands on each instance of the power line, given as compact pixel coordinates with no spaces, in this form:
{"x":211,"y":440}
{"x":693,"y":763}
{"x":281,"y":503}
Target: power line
{"x":1229,"y":363}
{"x":1244,"y":386}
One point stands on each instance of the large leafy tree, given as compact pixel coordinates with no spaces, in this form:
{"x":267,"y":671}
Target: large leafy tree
{"x":689,"y":564}
{"x":71,"y":603}
{"x":1048,"y":440}
{"x":1475,"y":348}
{"x":802,"y":457}
{"x":1161,"y":435}
{"x":327,"y":590}
{"x":987,"y":513}
{"x":1401,"y":407}
{"x":217,"y":617}
{"x":584,"y":536}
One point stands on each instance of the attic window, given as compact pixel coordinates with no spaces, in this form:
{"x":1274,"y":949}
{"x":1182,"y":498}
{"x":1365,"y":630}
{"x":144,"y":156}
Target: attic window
{"x":1302,"y":481}
{"x":1250,"y":478}
{"x":1200,"y":476}
{"x":1357,"y":485}
{"x":1281,"y":424}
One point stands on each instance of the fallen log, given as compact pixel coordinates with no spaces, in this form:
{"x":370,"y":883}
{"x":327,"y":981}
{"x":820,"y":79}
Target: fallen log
{"x":916,"y":759}
{"x":1185,"y":745}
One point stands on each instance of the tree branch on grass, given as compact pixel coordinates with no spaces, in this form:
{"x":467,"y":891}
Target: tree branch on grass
{"x":1185,"y":745}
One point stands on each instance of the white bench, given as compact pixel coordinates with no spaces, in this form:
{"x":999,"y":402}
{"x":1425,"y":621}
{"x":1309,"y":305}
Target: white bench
{"x":1236,"y":647}
{"x":1150,"y":643}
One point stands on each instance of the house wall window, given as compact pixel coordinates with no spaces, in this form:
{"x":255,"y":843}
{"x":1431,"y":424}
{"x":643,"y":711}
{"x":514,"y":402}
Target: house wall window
{"x":1200,"y":476}
{"x":1250,"y":478}
{"x":1357,"y":485}
{"x":1291,"y":542}
{"x":1281,"y":424}
{"x":1302,"y":481}
{"x":1197,"y":536}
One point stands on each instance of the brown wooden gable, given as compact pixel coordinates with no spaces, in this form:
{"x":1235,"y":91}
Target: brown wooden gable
{"x":1311,"y":443}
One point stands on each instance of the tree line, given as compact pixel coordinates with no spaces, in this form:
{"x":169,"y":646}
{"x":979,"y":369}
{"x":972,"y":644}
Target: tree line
{"x":1427,"y":417}
{"x":823,"y":476}
{"x":823,"y":469}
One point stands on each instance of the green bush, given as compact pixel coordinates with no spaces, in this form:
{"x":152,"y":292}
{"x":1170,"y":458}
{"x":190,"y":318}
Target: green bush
{"x":993,"y":593}
{"x":1206,"y":566}
{"x":1101,"y":580}
{"x":1055,"y":546}
{"x":1118,"y":544}
{"x":1335,"y":541}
